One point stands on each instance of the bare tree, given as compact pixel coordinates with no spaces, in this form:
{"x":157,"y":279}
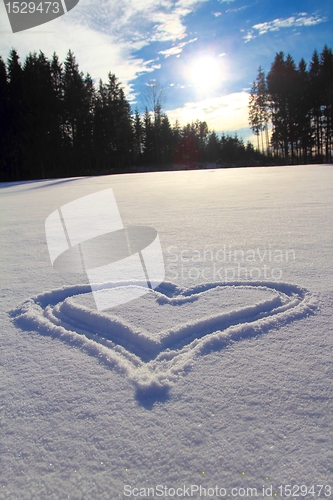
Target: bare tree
{"x":154,"y":98}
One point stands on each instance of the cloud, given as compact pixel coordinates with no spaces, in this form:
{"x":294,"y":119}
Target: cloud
{"x":169,"y":25}
{"x":291,"y":22}
{"x":96,"y":53}
{"x":139,"y":20}
{"x":104,"y":35}
{"x":302,"y":19}
{"x":217,"y":14}
{"x":176,"y":49}
{"x":249,"y":36}
{"x":224,"y":113}
{"x":238,"y":9}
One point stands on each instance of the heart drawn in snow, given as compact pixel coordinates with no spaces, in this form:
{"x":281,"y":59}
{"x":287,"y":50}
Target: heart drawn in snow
{"x":152,"y":339}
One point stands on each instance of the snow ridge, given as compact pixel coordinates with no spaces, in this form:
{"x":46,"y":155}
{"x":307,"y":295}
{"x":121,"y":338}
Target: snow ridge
{"x":152,"y":361}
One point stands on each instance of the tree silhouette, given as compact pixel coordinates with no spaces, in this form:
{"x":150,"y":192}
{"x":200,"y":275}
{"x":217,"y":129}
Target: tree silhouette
{"x":301,"y":107}
{"x":55,"y":122}
{"x":213,"y":148}
{"x":16,"y":115}
{"x":4,"y":120}
{"x":259,"y":108}
{"x":326,"y":79}
{"x":138,"y":135}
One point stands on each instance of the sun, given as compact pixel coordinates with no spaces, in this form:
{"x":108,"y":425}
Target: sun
{"x":205,"y":72}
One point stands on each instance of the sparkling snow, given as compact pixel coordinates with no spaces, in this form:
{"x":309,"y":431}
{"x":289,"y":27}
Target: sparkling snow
{"x":222,"y":376}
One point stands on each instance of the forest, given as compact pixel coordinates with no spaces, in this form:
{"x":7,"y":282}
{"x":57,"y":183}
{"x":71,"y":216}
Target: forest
{"x":57,"y":122}
{"x":291,"y":110}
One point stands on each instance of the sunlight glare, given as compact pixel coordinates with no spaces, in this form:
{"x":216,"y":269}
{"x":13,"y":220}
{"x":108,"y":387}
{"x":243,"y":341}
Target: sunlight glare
{"x":205,"y":72}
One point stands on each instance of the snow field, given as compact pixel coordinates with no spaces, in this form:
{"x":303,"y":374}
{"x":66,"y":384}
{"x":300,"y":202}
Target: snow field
{"x":226,"y":396}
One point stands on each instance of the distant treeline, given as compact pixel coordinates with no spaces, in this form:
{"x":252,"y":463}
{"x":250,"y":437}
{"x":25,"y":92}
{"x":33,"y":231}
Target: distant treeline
{"x":55,"y":122}
{"x":296,"y":105}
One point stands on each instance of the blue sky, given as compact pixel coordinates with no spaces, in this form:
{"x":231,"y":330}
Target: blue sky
{"x":203,"y":53}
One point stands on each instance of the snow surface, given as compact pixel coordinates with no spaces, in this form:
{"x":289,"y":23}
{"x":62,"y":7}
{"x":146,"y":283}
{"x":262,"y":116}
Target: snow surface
{"x":222,"y":376}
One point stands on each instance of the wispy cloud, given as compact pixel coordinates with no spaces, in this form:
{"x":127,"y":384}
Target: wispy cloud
{"x":238,"y":9}
{"x":139,"y":20}
{"x":300,"y":20}
{"x":217,"y":14}
{"x":176,"y":49}
{"x":96,"y":53}
{"x":105,"y":35}
{"x":224,"y":113}
{"x":169,"y":25}
{"x":290,"y":22}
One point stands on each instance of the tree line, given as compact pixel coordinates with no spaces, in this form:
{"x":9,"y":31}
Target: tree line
{"x":57,"y":122}
{"x":291,"y":109}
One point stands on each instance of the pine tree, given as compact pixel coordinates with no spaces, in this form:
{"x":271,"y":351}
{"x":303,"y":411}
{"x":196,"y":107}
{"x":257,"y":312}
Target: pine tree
{"x":213,"y":147}
{"x":137,"y":137}
{"x":154,"y":98}
{"x":39,"y":102}
{"x":17,"y":116}
{"x":148,"y":139}
{"x":166,"y":141}
{"x":188,"y":151}
{"x":259,"y":108}
{"x":202,"y":131}
{"x":119,"y":116}
{"x":87,"y":157}
{"x":254,"y":113}
{"x":303,"y":118}
{"x":57,"y":119}
{"x":326,"y":84}
{"x":316,"y":99}
{"x":5,"y":173}
{"x":74,"y":113}
{"x":277,"y":84}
